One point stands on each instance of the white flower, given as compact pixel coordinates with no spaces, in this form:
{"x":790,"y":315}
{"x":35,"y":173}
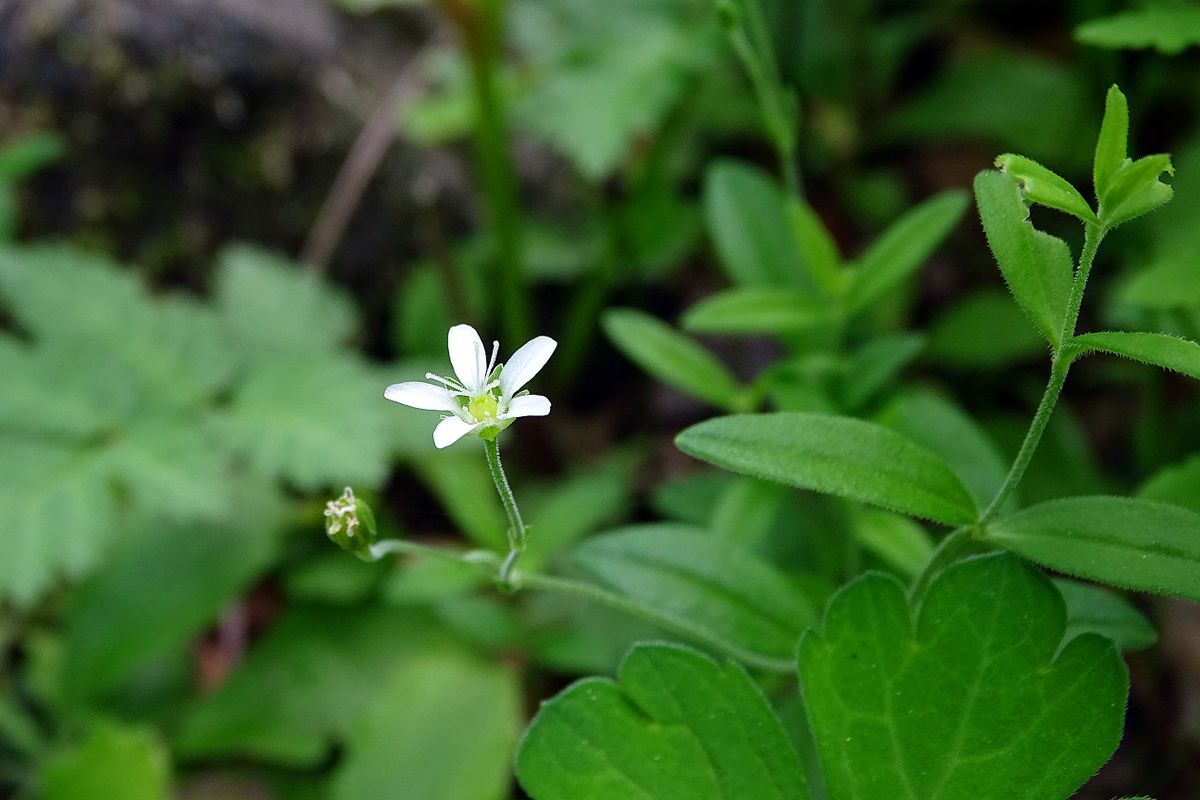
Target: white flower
{"x":485,"y":397}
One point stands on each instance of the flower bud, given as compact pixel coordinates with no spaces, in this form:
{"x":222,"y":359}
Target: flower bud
{"x":350,"y":524}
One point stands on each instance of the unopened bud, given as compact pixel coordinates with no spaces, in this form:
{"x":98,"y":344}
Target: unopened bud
{"x":350,"y":524}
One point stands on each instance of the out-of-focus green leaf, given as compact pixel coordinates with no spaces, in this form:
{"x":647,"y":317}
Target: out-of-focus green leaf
{"x":1090,"y":608}
{"x":748,"y":510}
{"x":985,"y":330}
{"x":677,"y":725}
{"x":274,"y":307}
{"x":158,"y":587}
{"x":443,"y":724}
{"x":702,"y":581}
{"x":690,"y":498}
{"x":311,"y":420}
{"x":1044,"y":187}
{"x":747,"y":218}
{"x":1172,"y":281}
{"x":1157,"y":349}
{"x":462,"y":484}
{"x":904,"y":247}
{"x":1168,"y":29}
{"x":1176,"y":484}
{"x":835,"y":455}
{"x":1121,"y":541}
{"x":113,"y":762}
{"x":874,"y":365}
{"x":29,"y":153}
{"x":755,"y":310}
{"x":897,"y":541}
{"x":672,"y":357}
{"x":1036,"y":265}
{"x":963,"y":696}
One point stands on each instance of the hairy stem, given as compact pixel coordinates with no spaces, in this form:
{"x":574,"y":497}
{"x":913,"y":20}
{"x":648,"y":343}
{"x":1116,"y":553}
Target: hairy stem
{"x":516,"y":525}
{"x":1059,"y":366}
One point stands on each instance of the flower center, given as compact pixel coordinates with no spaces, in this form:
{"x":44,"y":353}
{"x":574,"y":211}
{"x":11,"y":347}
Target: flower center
{"x":483,"y":407}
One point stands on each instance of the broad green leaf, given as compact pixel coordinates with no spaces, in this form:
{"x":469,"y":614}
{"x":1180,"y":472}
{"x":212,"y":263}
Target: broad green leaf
{"x":904,"y":247}
{"x":755,"y":310}
{"x":274,"y":307}
{"x":747,"y":217}
{"x":701,"y":581}
{"x":1091,"y":608}
{"x":937,"y":424}
{"x":314,"y":421}
{"x":1168,"y":29}
{"x":114,"y":761}
{"x":967,"y":696}
{"x":675,"y":726}
{"x":672,"y":357}
{"x":192,"y":571}
{"x":443,"y":725}
{"x":1168,"y":352}
{"x":874,"y":365}
{"x":59,"y":514}
{"x":1044,"y":187}
{"x":1127,"y":542}
{"x":835,"y":455}
{"x":1175,"y":484}
{"x":1136,"y":190}
{"x":983,"y":331}
{"x":1113,"y":142}
{"x":1036,"y":265}
{"x":897,"y":541}
{"x":307,"y":682}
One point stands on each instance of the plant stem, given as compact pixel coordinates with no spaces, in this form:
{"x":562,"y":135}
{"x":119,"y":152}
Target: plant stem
{"x":516,"y":525}
{"x":393,"y":546}
{"x":625,"y":605}
{"x":1060,"y":364}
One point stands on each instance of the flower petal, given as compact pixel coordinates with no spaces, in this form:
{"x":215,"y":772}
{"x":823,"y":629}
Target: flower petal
{"x":529,"y":405}
{"x":525,"y":363}
{"x":468,"y":357}
{"x":421,"y":395}
{"x":450,"y":430}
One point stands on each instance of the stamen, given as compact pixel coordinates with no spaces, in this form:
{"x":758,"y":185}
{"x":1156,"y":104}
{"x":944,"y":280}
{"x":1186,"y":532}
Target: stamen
{"x":492,"y":362}
{"x":453,"y":385}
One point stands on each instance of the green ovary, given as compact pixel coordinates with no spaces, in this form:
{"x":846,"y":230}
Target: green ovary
{"x":483,"y":408}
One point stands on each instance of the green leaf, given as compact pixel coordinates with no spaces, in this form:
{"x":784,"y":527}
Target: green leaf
{"x":836,"y":455}
{"x":59,"y":514}
{"x":1046,"y":188}
{"x":904,"y":247}
{"x":29,"y":153}
{"x":1127,"y":542}
{"x":1113,"y":142}
{"x":113,"y":761}
{"x":747,"y":217}
{"x":1036,"y":265}
{"x":899,"y":542}
{"x":876,"y":364}
{"x":1136,"y":190}
{"x":984,"y":330}
{"x":274,"y":307}
{"x":701,"y":581}
{"x":755,"y":310}
{"x":691,"y":498}
{"x":677,"y":726}
{"x":443,"y":725}
{"x":671,"y":357}
{"x":817,"y":248}
{"x":1175,"y":484}
{"x":463,"y":486}
{"x":314,"y":421}
{"x":1168,"y":29}
{"x":1091,"y":608}
{"x":158,"y":588}
{"x":963,"y":697}
{"x":1168,"y":352}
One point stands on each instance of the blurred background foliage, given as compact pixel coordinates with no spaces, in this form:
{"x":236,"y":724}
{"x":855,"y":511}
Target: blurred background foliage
{"x":227,"y":225}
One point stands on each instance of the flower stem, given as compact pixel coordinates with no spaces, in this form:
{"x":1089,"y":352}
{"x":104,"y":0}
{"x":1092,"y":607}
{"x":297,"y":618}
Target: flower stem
{"x":1060,"y":364}
{"x":516,"y":525}
{"x":670,"y":624}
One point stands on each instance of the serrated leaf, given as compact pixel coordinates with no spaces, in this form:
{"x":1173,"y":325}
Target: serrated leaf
{"x":1158,"y":349}
{"x":1168,"y":29}
{"x":984,"y":330}
{"x":273,"y":307}
{"x":313,"y":421}
{"x":835,"y":455}
{"x":963,"y":697}
{"x":747,"y":218}
{"x":1113,"y":142}
{"x":1091,"y":608}
{"x":443,"y":725}
{"x":60,"y":513}
{"x":904,"y":247}
{"x":1036,"y":265}
{"x":1046,"y":188}
{"x":755,"y":310}
{"x":112,"y":761}
{"x":1121,"y":541}
{"x":671,"y":357}
{"x":677,"y":725}
{"x":692,"y":576}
